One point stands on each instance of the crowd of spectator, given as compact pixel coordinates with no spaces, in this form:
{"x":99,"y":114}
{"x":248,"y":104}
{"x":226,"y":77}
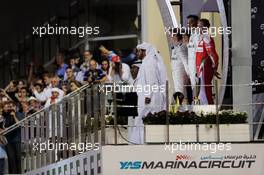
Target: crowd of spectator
{"x":21,"y":98}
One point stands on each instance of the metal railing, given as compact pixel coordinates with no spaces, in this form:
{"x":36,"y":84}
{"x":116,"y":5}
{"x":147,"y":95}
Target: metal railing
{"x":47,"y":135}
{"x":89,"y":162}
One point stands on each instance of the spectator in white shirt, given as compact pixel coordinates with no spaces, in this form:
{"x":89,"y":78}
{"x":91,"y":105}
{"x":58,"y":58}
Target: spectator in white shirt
{"x":79,"y":77}
{"x":46,"y":93}
{"x":54,"y":98}
{"x":88,"y":55}
{"x":75,"y":69}
{"x":119,"y":72}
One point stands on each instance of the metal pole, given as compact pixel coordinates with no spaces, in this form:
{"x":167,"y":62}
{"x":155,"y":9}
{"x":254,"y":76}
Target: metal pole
{"x":197,"y":133}
{"x":102,"y":116}
{"x":89,"y":104}
{"x":115,"y":112}
{"x":167,"y":113}
{"x":217,"y":111}
{"x":96,"y":113}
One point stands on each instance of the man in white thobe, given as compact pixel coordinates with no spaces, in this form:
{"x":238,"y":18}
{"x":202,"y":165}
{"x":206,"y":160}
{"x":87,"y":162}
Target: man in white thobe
{"x":152,"y":73}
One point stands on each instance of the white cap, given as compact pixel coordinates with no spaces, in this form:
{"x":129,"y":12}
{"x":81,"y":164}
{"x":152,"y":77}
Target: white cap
{"x":32,"y":98}
{"x":55,"y":90}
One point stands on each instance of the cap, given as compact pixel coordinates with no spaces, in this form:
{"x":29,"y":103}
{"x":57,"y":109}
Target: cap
{"x":32,"y":98}
{"x":116,"y":59}
{"x":55,"y":90}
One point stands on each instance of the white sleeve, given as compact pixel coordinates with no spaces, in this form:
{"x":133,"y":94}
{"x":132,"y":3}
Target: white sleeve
{"x":162,"y":72}
{"x":126,"y":74}
{"x":40,"y":96}
{"x":79,"y":76}
{"x":47,"y":104}
{"x":108,"y":76}
{"x":65,"y":76}
{"x":150,"y":73}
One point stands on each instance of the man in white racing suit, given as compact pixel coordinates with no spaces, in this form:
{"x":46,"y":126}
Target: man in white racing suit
{"x":192,"y":45}
{"x":180,"y":70}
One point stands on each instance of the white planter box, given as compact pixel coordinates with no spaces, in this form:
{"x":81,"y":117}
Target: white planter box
{"x":182,"y":133}
{"x":207,"y":133}
{"x":158,"y":133}
{"x":188,"y":133}
{"x":235,"y":132}
{"x":155,"y":133}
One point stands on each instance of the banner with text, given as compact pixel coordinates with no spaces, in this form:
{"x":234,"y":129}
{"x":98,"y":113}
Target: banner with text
{"x":184,"y":158}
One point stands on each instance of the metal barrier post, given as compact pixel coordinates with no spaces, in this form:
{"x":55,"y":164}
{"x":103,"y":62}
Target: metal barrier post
{"x":47,"y":123}
{"x":38,"y":158}
{"x":89,"y":103}
{"x":96,"y":114}
{"x":70,"y":126}
{"x":64,"y":126}
{"x":102,"y":116}
{"x":167,"y":113}
{"x":115,"y":112}
{"x":76,"y":120}
{"x":82,"y":117}
{"x":217,"y":110}
{"x":42,"y":137}
{"x":27,"y":145}
{"x":23,"y":147}
{"x":54,"y":133}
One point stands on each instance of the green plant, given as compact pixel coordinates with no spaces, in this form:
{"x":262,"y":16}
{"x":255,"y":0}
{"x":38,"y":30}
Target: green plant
{"x":225,"y":117}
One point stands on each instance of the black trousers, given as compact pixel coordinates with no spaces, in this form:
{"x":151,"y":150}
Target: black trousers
{"x":13,"y":151}
{"x":189,"y":94}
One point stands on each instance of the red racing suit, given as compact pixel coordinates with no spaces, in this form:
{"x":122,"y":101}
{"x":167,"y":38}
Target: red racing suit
{"x":206,"y":64}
